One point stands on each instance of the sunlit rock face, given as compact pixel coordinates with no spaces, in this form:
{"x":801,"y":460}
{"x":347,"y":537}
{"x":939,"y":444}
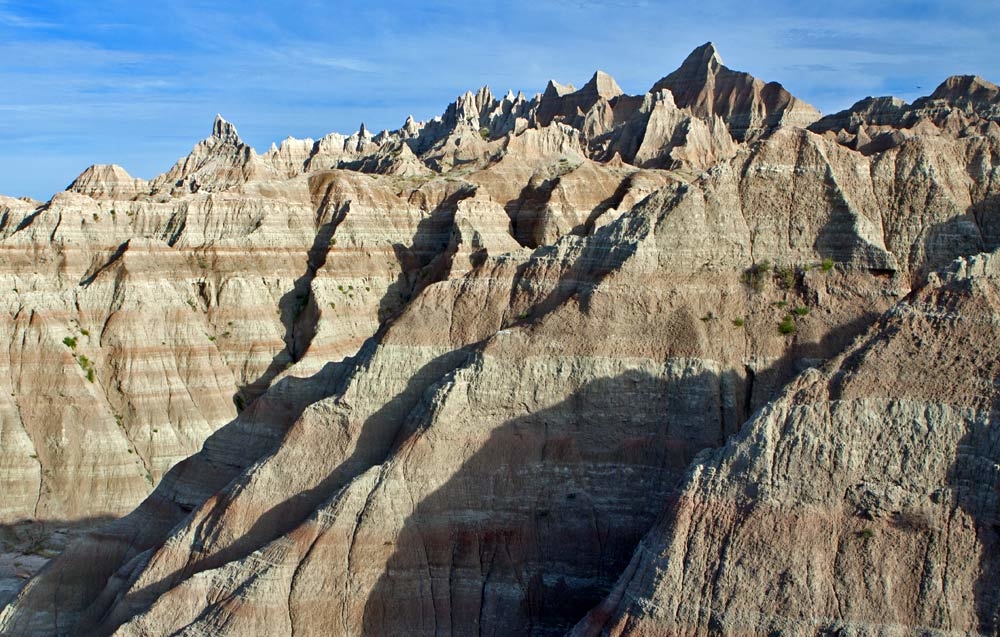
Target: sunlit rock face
{"x":688,"y":362}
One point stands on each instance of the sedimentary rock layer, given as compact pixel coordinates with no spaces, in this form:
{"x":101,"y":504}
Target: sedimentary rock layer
{"x":449,"y":378}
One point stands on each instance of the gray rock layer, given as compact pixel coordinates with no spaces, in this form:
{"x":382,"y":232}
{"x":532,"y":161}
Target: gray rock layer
{"x":864,"y":501}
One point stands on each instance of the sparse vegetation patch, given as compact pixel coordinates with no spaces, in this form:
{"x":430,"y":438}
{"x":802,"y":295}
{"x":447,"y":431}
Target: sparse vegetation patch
{"x":787,"y":326}
{"x":756,"y":275}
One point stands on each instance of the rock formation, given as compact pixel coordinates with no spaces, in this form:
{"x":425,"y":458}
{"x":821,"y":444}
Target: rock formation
{"x":864,"y":500}
{"x":748,"y":106}
{"x":489,"y":374}
{"x":107,"y":182}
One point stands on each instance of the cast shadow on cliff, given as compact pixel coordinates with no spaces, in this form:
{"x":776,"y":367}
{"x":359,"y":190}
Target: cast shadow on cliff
{"x":27,"y":545}
{"x":525,"y":212}
{"x":31,"y":534}
{"x":986,"y":214}
{"x":973,"y":472}
{"x":975,"y":231}
{"x":104,"y":546}
{"x":298,"y":315}
{"x":764,"y":385}
{"x":960,"y":236}
{"x":536,"y":526}
{"x":379,"y":434}
{"x":426,"y":260}
{"x":45,"y":538}
{"x":595,"y":260}
{"x":297,"y":307}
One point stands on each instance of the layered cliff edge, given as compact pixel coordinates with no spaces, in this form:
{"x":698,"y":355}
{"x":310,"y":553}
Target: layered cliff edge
{"x":467,"y":376}
{"x":862,"y":501}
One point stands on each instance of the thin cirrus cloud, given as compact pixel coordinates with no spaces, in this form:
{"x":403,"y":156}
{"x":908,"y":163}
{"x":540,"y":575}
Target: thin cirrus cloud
{"x":344,"y":64}
{"x":139,"y":83}
{"x":14,"y":20}
{"x":283,"y":58}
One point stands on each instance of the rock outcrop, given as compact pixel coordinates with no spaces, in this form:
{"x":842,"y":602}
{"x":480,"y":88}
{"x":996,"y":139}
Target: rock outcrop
{"x":863,"y":501}
{"x":219,"y":162}
{"x":108,"y":181}
{"x":962,"y":107}
{"x":749,"y":107}
{"x":489,"y":373}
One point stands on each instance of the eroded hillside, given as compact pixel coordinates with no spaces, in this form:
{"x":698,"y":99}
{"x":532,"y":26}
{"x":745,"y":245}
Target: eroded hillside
{"x":489,"y":374}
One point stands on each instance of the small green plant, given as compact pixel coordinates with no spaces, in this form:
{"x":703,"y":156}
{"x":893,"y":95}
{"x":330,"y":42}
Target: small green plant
{"x":801,"y":310}
{"x":87,"y":366}
{"x":33,"y":456}
{"x":867,"y":534}
{"x":70,"y":342}
{"x":96,"y":218}
{"x":333,"y":241}
{"x":755,"y":276}
{"x":484,"y":133}
{"x":708,"y":317}
{"x":827,"y":264}
{"x":739,"y":322}
{"x":524,"y":314}
{"x":211,"y":338}
{"x":786,"y":276}
{"x":787,"y":326}
{"x":84,"y":332}
{"x":781,"y":303}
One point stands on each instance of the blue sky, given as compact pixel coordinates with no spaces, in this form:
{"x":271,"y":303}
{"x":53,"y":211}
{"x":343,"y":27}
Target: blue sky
{"x":139,"y":84}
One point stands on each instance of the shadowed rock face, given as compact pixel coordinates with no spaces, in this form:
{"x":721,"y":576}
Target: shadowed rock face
{"x":879,"y":468}
{"x":488,"y":374}
{"x":962,"y":107}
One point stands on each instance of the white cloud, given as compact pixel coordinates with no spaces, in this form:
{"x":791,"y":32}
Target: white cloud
{"x":10,"y":18}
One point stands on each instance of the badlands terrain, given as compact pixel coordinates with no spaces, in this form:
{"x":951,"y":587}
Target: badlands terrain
{"x":699,"y":361}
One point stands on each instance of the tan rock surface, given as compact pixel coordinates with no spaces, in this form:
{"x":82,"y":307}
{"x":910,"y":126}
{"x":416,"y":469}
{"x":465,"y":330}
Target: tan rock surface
{"x":107,"y":182}
{"x":748,"y":106}
{"x":445,"y":378}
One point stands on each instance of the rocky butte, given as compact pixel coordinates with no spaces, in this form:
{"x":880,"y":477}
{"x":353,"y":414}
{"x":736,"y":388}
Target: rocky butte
{"x":699,"y":361}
